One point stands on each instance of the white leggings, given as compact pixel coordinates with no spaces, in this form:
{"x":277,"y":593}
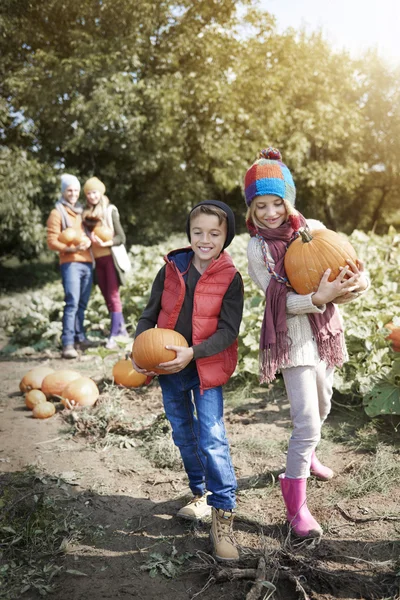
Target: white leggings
{"x":309,"y":391}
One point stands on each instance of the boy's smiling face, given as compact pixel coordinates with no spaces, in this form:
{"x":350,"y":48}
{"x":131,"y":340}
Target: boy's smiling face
{"x":207,"y":238}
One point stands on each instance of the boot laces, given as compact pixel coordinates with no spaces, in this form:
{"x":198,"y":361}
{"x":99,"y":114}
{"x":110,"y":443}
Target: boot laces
{"x":225,"y":526}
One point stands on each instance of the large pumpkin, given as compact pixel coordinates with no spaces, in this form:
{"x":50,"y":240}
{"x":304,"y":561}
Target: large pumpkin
{"x":82,"y":392}
{"x":149,"y":350}
{"x":70,"y":236}
{"x":311,"y":254}
{"x":34,"y":378}
{"x":54,"y":384}
{"x":394,"y":336}
{"x":103,"y":232}
{"x":124,"y":374}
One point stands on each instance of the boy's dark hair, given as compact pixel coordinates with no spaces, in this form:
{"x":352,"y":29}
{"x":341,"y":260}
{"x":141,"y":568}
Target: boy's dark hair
{"x":220,"y":210}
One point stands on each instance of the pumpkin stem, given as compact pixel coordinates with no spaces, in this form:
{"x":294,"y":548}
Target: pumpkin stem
{"x":305,"y":235}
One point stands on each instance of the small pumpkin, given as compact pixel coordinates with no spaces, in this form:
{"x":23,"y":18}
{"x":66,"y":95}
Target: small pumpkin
{"x":33,"y":398}
{"x":82,"y":392}
{"x":124,"y":374}
{"x":394,"y":336}
{"x":33,"y":379}
{"x":103,"y":232}
{"x":54,"y":384}
{"x":44,"y":410}
{"x":311,"y":254}
{"x":70,"y":236}
{"x":149,"y":350}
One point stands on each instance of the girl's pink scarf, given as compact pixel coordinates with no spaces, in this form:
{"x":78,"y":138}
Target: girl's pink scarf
{"x":274,"y":342}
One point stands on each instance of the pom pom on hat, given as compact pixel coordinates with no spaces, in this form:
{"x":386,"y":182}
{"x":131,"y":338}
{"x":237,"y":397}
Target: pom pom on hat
{"x":269,"y":175}
{"x":67,"y":180}
{"x":94,"y":185}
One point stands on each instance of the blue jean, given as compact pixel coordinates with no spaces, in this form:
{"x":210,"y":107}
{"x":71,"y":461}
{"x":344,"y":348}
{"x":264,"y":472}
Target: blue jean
{"x":77,"y":278}
{"x":199,"y":432}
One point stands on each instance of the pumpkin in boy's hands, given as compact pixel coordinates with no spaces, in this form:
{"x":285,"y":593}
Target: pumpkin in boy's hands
{"x":149,"y":350}
{"x":124,"y":374}
{"x":33,"y":379}
{"x":103,"y":232}
{"x":70,"y":236}
{"x":311,"y":254}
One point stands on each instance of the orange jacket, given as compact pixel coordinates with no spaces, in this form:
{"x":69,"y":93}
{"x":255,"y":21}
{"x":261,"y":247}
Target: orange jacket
{"x":54,"y":228}
{"x":209,"y":293}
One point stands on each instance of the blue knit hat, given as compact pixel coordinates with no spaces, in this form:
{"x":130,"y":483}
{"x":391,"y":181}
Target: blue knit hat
{"x":67,"y":180}
{"x":268,"y":175}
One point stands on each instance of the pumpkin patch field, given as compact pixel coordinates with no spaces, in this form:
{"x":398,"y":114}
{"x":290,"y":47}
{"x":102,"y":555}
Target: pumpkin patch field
{"x":89,"y":494}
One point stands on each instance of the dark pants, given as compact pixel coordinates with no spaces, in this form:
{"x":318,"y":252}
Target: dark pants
{"x":107,"y":279}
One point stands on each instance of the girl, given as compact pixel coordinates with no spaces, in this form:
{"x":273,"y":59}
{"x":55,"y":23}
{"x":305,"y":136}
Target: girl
{"x":76,"y":264}
{"x":302,"y":336}
{"x":108,"y":272}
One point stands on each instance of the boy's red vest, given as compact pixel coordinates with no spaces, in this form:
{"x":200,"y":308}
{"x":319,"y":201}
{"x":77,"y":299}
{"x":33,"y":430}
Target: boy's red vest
{"x":210,"y":290}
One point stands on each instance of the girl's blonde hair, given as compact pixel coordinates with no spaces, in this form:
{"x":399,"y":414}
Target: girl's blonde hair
{"x":98,"y":211}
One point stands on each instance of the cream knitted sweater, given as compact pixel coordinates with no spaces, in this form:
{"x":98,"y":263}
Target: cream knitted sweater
{"x":303,"y":349}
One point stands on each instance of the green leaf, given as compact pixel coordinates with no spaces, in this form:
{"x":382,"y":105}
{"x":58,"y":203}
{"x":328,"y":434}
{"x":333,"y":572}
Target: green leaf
{"x":383,"y":399}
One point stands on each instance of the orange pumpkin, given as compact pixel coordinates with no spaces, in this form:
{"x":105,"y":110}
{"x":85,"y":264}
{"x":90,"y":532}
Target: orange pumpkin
{"x":103,"y":232}
{"x":394,"y":336}
{"x":33,"y":379}
{"x":54,"y":384}
{"x":82,"y":392}
{"x":44,"y":410}
{"x":70,"y":236}
{"x":149,"y":350}
{"x":124,"y":374}
{"x":33,"y":398}
{"x":311,"y":254}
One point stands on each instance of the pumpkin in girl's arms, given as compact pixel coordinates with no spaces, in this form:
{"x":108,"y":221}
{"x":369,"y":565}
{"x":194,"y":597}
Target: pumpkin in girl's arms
{"x":311,"y":254}
{"x":103,"y":232}
{"x":54,"y":384}
{"x":70,"y":236}
{"x":33,"y":379}
{"x":80,"y":392}
{"x":124,"y":374}
{"x":33,"y":398}
{"x":149,"y":350}
{"x":44,"y":410}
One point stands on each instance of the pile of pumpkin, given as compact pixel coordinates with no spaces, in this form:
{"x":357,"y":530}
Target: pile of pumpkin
{"x":42,"y":384}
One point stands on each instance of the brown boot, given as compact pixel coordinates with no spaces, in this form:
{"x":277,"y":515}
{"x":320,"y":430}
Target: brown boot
{"x":196,"y":509}
{"x":222,"y":540}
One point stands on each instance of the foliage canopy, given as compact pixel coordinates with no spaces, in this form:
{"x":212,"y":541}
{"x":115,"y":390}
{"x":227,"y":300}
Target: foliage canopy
{"x":169,"y":102}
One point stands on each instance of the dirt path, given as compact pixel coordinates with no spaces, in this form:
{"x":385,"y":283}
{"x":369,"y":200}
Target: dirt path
{"x":130,"y":495}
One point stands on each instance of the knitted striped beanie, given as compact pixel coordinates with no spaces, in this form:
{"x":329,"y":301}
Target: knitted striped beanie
{"x":268,"y":175}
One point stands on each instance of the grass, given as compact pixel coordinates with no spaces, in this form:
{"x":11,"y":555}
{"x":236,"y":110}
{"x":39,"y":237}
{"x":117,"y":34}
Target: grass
{"x":361,"y":435}
{"x":376,"y":474}
{"x":36,"y":526}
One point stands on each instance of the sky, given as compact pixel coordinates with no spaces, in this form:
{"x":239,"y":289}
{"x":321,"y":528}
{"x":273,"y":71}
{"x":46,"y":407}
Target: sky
{"x":355,"y":25}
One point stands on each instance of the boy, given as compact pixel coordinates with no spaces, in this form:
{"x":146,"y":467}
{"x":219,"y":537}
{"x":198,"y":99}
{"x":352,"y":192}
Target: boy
{"x":199,"y":293}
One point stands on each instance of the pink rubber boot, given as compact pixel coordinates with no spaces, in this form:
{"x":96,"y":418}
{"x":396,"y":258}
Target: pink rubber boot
{"x":319,"y":470}
{"x":300,"y":519}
